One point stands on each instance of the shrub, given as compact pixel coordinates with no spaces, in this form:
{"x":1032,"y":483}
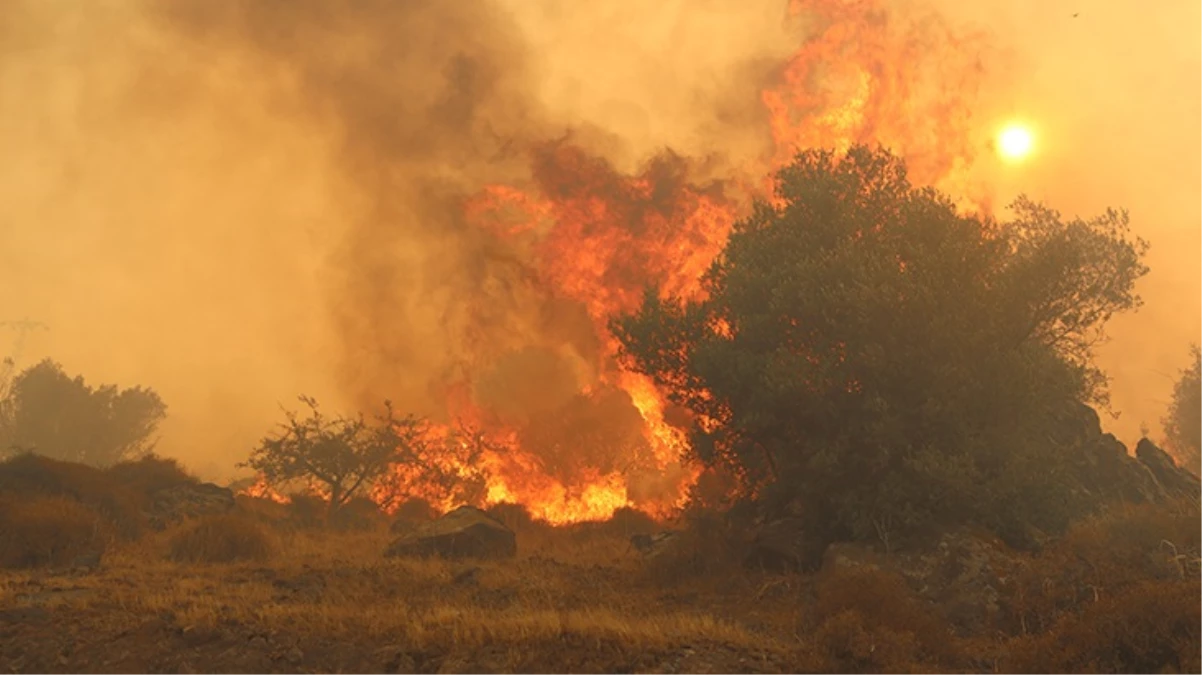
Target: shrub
{"x":150,"y":474}
{"x":307,"y":510}
{"x":627,"y":521}
{"x":28,"y":476}
{"x":358,"y":513}
{"x":220,"y":539}
{"x":514,"y":516}
{"x":869,"y":620}
{"x":48,"y":532}
{"x":1102,"y":557}
{"x":1151,"y":627}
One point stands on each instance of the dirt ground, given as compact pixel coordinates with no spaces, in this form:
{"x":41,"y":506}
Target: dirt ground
{"x":329,"y":602}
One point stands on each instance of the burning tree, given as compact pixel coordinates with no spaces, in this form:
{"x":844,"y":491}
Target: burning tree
{"x":866,"y":350}
{"x":342,"y":455}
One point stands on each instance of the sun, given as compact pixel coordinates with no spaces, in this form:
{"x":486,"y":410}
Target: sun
{"x":1015,"y":142}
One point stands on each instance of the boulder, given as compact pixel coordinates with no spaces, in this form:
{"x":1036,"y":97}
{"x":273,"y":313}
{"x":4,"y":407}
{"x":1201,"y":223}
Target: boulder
{"x":189,"y":500}
{"x":466,"y":532}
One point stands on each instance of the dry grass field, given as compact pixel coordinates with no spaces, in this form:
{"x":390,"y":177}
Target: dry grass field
{"x":264,"y":589}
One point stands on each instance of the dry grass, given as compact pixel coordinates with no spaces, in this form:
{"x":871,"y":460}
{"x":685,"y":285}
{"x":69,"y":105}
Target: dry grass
{"x":573,"y":600}
{"x":48,"y":532}
{"x":219,"y":539}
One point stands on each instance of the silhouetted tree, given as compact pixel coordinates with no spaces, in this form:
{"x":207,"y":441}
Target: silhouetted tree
{"x":864,"y":348}
{"x":343,"y":454}
{"x":52,"y":414}
{"x":1183,"y":424}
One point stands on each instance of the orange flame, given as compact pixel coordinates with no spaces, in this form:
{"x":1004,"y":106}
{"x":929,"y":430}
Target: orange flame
{"x":592,"y":236}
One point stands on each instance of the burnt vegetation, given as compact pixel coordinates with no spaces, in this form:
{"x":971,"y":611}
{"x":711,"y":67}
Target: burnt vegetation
{"x":893,"y":405}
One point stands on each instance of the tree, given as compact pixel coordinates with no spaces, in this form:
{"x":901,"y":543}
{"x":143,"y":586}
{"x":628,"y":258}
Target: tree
{"x":343,"y":454}
{"x":867,"y":350}
{"x":1183,"y":424}
{"x":50,"y":413}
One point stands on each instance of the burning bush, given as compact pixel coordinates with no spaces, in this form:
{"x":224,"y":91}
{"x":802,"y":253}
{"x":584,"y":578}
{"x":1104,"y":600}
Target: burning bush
{"x":342,"y":455}
{"x":48,"y":532}
{"x":220,"y":539}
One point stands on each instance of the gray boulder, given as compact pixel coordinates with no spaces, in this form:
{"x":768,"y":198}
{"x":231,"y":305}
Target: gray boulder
{"x":466,"y":532}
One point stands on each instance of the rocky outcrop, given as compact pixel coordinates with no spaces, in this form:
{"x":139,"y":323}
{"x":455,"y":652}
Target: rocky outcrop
{"x":963,"y":572}
{"x":466,"y":532}
{"x":1108,"y":472}
{"x":189,"y":500}
{"x":1177,"y":482}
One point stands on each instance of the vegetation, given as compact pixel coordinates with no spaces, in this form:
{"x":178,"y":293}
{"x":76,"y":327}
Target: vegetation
{"x":343,"y":455}
{"x":1183,"y":424}
{"x":868,"y":351}
{"x":220,"y":539}
{"x":48,"y":532}
{"x":48,"y":412}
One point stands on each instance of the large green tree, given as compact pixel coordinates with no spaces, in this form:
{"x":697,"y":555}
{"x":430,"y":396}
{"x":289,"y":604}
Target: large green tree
{"x":51,"y":413}
{"x":1183,"y":424}
{"x":888,"y":361}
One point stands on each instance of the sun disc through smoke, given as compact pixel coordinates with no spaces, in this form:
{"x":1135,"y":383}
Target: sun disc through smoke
{"x":1015,"y":142}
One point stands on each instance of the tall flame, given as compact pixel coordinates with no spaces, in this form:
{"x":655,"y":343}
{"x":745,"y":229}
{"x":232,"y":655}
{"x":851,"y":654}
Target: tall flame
{"x":593,"y":237}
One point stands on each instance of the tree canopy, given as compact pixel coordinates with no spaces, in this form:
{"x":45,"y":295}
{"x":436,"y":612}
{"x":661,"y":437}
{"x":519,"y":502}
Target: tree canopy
{"x":867,"y":349}
{"x":51,"y":413}
{"x":1183,"y":424}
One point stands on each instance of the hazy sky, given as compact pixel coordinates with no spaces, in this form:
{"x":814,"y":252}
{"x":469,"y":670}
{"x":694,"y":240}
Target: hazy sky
{"x":193,"y":199}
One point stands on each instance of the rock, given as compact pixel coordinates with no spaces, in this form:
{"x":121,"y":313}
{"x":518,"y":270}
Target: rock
{"x":655,"y":545}
{"x":466,"y":532}
{"x":189,"y":500}
{"x":1177,"y":482}
{"x":785,"y":545}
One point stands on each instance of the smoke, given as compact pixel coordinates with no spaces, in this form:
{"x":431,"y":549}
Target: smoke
{"x":235,"y":202}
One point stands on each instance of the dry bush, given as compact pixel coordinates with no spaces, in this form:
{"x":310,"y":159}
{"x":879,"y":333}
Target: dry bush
{"x":358,"y":514}
{"x":220,"y":539}
{"x":708,"y":545}
{"x":1101,"y":557}
{"x":415,"y":510}
{"x":150,"y":474}
{"x":869,"y":620}
{"x":628,"y":521}
{"x":28,"y":476}
{"x":48,"y":532}
{"x":261,"y":508}
{"x":307,"y":510}
{"x":1150,"y":627}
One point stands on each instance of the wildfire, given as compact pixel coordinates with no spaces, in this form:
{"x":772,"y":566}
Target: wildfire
{"x":592,"y":237}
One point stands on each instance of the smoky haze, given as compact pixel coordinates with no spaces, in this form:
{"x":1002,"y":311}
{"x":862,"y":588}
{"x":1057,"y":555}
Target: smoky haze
{"x":236,"y":202}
